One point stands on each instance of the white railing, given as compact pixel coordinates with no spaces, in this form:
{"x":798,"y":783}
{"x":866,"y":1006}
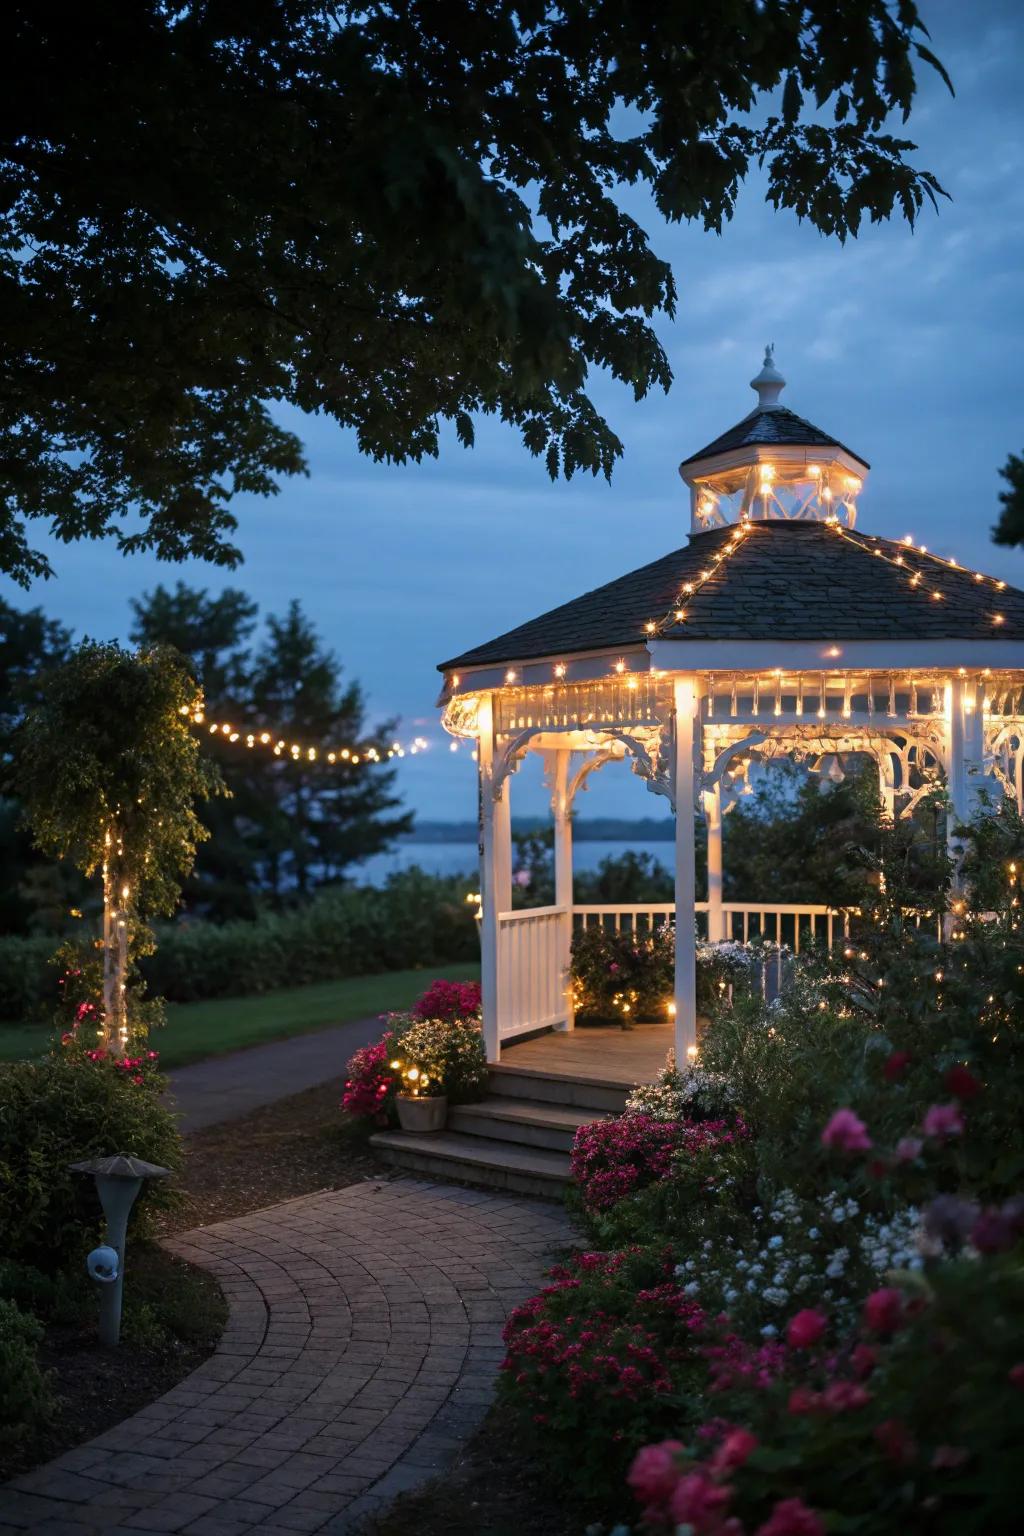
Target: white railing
{"x":532,"y":969}
{"x":790,"y":924}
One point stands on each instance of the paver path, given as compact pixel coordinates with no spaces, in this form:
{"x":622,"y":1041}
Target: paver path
{"x":224,"y":1087}
{"x":361,"y":1351}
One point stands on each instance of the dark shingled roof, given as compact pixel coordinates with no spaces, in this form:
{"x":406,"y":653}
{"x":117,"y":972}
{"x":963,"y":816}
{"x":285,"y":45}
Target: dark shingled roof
{"x":785,"y":581}
{"x":774,"y":428}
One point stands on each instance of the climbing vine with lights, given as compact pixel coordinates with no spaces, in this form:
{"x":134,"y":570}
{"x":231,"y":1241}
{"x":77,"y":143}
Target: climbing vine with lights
{"x":109,"y":773}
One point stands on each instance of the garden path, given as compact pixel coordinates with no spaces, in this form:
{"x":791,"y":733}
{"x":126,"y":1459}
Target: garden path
{"x":225,"y":1087}
{"x":361,"y":1352}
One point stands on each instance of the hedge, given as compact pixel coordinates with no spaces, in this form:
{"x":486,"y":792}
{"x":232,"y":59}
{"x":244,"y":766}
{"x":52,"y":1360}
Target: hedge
{"x":414,"y":920}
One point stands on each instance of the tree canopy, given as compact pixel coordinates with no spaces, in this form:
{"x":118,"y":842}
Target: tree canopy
{"x":399,"y":213}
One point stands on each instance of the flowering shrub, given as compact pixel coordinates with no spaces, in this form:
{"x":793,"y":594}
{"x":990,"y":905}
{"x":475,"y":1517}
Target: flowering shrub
{"x":794,"y":1250}
{"x":623,"y":975}
{"x":923,"y":1401}
{"x":599,"y":1359}
{"x":692,"y":1094}
{"x":449,"y":1051}
{"x":371,"y":1082}
{"x":614,"y":1158}
{"x":724,"y":966}
{"x":449,"y":1000}
{"x":445,"y":1048}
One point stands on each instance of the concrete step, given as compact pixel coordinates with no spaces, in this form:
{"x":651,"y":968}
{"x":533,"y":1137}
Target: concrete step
{"x":523,"y":1122}
{"x":477,"y":1160}
{"x":549,"y":1088}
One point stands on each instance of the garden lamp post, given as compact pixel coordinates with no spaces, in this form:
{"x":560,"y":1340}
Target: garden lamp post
{"x":118,"y":1181}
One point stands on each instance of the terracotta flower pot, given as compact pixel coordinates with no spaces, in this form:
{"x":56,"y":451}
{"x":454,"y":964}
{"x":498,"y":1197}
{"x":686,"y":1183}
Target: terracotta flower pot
{"x":421,"y":1114}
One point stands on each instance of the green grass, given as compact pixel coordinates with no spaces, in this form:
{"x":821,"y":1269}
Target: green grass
{"x":197,"y":1030}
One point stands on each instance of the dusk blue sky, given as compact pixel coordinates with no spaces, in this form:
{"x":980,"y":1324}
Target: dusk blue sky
{"x":908,"y":346}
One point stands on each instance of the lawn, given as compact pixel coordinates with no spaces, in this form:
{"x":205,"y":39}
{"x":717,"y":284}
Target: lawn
{"x":197,"y":1030}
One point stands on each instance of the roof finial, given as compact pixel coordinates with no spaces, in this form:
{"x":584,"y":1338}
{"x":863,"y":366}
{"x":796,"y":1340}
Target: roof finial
{"x":769,"y":383}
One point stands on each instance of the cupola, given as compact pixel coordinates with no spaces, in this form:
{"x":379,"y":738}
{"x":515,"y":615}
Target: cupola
{"x":773,"y":465}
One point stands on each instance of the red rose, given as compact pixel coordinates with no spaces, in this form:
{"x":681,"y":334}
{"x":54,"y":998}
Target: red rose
{"x":896,"y":1065}
{"x":962,"y":1084}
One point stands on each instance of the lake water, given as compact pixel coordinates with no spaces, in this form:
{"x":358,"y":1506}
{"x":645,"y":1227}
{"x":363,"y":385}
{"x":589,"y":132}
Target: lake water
{"x":462,"y":859}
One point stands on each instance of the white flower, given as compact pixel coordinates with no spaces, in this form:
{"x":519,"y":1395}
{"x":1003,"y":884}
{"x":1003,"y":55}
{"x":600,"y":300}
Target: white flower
{"x":691,"y":1289}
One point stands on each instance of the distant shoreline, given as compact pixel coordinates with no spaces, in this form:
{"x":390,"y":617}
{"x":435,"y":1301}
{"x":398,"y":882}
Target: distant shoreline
{"x":594,"y":829}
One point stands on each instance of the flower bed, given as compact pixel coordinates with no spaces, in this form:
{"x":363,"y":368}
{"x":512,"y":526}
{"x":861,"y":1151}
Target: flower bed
{"x":434,"y":1049}
{"x":814,"y":1252}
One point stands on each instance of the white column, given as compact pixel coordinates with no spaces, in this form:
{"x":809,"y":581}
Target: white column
{"x":713,"y":822}
{"x":685,"y":698}
{"x":495,"y":880}
{"x":558,"y":773}
{"x":965,"y":738}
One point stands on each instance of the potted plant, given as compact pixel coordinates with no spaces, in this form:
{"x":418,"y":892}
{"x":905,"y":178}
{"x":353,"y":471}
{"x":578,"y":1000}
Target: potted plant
{"x":421,"y":1102}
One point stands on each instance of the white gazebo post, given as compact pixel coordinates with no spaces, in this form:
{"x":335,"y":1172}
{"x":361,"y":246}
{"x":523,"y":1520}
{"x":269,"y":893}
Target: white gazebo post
{"x":685,"y":710}
{"x":558,"y":771}
{"x":965,"y":754}
{"x":495,"y":880}
{"x":713,"y":822}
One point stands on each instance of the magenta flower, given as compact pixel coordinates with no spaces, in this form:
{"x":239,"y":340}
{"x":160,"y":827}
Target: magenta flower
{"x":908,"y":1148}
{"x":806,"y":1328}
{"x":791,"y":1517}
{"x":883,"y":1310}
{"x":655,"y":1472}
{"x":846,"y":1131}
{"x":943,"y":1121}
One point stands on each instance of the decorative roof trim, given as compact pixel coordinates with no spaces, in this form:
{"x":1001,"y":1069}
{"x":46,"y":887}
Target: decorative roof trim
{"x":834,"y":656}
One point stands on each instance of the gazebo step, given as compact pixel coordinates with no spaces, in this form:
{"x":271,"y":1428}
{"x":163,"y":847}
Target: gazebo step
{"x":477,"y":1160}
{"x":523,"y":1122}
{"x":551,"y":1088}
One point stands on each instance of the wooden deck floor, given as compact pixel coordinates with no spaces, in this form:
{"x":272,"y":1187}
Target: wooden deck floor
{"x":614,"y":1055}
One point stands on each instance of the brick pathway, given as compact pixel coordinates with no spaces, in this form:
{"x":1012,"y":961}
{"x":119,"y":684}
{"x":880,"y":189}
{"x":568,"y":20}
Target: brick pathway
{"x":360,"y":1353}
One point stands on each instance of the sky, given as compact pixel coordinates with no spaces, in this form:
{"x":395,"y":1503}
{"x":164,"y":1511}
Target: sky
{"x":907,"y":346}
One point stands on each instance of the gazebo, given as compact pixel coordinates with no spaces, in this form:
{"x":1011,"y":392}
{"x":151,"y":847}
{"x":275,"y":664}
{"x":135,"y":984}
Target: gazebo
{"x":779,"y":629}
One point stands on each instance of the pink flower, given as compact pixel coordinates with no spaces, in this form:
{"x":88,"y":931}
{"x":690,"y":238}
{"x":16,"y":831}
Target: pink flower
{"x":655,"y":1473}
{"x":737,"y":1447}
{"x":1015,"y":1375}
{"x":791,"y":1517}
{"x":806,"y":1328}
{"x":698,"y":1502}
{"x":908,"y":1148}
{"x":993,"y":1232}
{"x":843,"y":1396}
{"x":846,"y":1131}
{"x":883,"y":1310}
{"x":803,"y":1400}
{"x":943,"y":1121}
{"x":863,"y":1358}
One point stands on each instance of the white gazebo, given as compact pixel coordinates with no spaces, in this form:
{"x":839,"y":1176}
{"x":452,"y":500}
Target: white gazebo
{"x":780,"y":629}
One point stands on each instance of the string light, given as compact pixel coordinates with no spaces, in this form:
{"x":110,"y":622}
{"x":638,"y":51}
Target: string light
{"x":677,"y":613}
{"x":299,"y":751}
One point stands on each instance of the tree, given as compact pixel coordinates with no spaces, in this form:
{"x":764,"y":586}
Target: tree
{"x":400,"y":213}
{"x":290,"y":824}
{"x":1010,"y":527}
{"x":35,"y":894}
{"x":108,"y":769}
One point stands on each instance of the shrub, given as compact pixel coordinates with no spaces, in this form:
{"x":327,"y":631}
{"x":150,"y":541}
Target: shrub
{"x":612,"y":1159}
{"x":450,"y":1052}
{"x":603,"y":1358}
{"x":25,"y":1399}
{"x":623,"y":975}
{"x":62,"y":1110}
{"x":414,"y":920}
{"x":371,"y":1082}
{"x":449,"y":1000}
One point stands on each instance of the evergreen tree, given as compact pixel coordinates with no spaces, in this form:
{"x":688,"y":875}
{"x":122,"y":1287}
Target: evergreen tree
{"x":291,"y":825}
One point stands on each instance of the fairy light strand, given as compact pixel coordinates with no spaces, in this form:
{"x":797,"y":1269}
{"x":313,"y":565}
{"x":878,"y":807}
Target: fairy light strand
{"x":299,"y":752}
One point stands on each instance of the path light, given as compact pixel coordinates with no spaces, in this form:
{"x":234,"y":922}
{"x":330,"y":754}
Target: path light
{"x":118,"y":1181}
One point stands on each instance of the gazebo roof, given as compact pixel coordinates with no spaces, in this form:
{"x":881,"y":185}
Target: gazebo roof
{"x":773,"y":427}
{"x":782,"y":580}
